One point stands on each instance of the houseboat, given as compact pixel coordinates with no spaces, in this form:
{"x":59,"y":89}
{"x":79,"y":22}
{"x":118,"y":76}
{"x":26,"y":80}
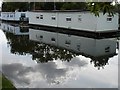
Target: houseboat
{"x":77,"y":20}
{"x":94,"y":48}
{"x":14,"y":16}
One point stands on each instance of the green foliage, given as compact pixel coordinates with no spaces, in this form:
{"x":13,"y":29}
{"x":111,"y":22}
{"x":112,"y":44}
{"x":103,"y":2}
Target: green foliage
{"x":74,"y":6}
{"x":117,"y":6}
{"x":104,"y":7}
{"x":94,"y":7}
{"x":12,"y":6}
{"x":23,"y":6}
{"x":6,"y":84}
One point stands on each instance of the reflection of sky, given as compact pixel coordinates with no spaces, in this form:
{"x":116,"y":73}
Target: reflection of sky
{"x":119,"y":67}
{"x":25,"y":72}
{"x":0,"y":3}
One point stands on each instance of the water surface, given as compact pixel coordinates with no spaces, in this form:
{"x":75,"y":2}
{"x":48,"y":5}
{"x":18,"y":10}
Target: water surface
{"x":43,"y":59}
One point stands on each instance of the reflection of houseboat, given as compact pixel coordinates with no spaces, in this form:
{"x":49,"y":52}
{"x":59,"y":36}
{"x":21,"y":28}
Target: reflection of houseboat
{"x":15,"y":29}
{"x":0,"y":15}
{"x":82,"y":21}
{"x":14,"y":16}
{"x":46,"y":46}
{"x":17,"y":38}
{"x":87,"y":46}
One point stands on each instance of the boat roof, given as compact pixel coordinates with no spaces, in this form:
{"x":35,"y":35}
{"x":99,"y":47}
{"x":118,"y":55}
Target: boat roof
{"x":59,"y":10}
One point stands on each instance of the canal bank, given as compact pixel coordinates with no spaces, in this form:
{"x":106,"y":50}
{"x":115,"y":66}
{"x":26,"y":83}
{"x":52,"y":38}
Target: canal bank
{"x":5,"y":83}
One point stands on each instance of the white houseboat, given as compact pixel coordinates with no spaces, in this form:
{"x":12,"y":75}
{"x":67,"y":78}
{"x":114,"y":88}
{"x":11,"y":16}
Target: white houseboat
{"x":14,"y":16}
{"x":88,"y":46}
{"x":78,"y":20}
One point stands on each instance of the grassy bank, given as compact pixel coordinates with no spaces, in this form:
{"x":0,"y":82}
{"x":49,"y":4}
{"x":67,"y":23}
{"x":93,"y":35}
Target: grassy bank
{"x":5,"y":84}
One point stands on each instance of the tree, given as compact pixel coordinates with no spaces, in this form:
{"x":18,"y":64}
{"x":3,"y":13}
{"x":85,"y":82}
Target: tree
{"x":94,"y":7}
{"x":74,"y":6}
{"x":118,"y":9}
{"x":12,"y":6}
{"x":104,"y":7}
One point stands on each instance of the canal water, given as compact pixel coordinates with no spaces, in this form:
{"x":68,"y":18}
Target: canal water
{"x":33,"y":58}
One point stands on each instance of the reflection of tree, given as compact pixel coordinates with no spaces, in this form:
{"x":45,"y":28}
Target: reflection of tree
{"x":101,"y":61}
{"x":21,"y":45}
{"x":118,"y":45}
{"x":45,"y":53}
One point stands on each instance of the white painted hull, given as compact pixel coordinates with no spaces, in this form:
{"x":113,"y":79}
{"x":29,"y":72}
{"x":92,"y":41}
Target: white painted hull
{"x":13,"y":16}
{"x":87,"y":22}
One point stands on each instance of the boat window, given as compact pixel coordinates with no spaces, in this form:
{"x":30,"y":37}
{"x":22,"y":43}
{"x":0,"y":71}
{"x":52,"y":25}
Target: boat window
{"x":78,"y":47}
{"x":53,"y":39}
{"x":41,"y":36}
{"x":41,"y":16}
{"x":68,"y":42}
{"x":79,"y":18}
{"x":11,"y":15}
{"x":68,"y":19}
{"x":4,"y":27}
{"x":23,"y":15}
{"x":107,"y":49}
{"x":53,"y":17}
{"x":11,"y":28}
{"x":109,"y":18}
{"x":7,"y":28}
{"x":37,"y":17}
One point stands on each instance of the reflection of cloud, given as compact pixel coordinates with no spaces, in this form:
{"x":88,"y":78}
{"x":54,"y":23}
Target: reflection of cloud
{"x":2,"y":37}
{"x":46,"y":72}
{"x":17,"y":72}
{"x":50,"y":72}
{"x":76,"y":62}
